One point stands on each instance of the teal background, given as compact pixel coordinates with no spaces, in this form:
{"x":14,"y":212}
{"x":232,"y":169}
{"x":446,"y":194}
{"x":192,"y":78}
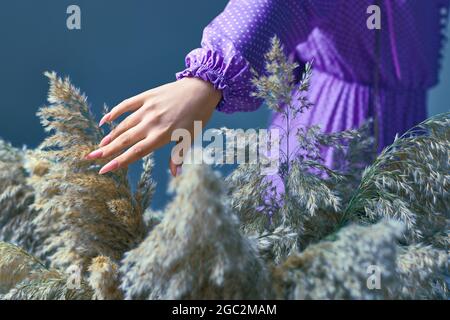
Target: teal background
{"x":124,"y":48}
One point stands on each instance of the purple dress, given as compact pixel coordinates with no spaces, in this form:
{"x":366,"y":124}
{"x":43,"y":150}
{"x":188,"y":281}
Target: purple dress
{"x":345,"y":73}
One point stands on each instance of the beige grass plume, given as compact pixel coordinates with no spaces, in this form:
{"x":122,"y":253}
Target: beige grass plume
{"x":23,"y":277}
{"x":337,"y":268}
{"x":197,"y":251}
{"x":15,"y":198}
{"x":410,"y":182}
{"x":78,"y":214}
{"x":104,"y":279}
{"x":422,"y":272}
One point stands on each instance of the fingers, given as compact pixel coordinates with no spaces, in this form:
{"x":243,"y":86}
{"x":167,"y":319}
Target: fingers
{"x":127,"y":124}
{"x":122,"y":142}
{"x":135,"y":153}
{"x":127,"y":105}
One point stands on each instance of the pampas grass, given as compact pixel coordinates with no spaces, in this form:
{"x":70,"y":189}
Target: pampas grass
{"x":197,"y":250}
{"x":421,"y":270}
{"x":15,"y":266}
{"x":410,"y":181}
{"x":16,"y":197}
{"x":232,"y":238}
{"x":23,"y":277}
{"x":312,"y":194}
{"x":104,"y":279}
{"x":340,"y":269}
{"x":51,"y":285}
{"x":77,"y":215}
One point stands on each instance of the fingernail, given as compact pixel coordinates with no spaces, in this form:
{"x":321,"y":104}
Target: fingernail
{"x":104,"y":119}
{"x":106,"y":140}
{"x":113,"y":165}
{"x":94,"y":155}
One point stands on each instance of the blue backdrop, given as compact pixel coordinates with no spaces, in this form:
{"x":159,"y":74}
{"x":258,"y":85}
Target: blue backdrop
{"x":123,"y":48}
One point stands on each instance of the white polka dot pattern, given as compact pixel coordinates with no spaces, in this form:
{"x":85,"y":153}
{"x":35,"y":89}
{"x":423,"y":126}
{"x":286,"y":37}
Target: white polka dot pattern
{"x":334,"y":32}
{"x":237,"y":40}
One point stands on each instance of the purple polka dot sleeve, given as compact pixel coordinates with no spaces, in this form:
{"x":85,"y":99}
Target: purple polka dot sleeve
{"x":236,"y":41}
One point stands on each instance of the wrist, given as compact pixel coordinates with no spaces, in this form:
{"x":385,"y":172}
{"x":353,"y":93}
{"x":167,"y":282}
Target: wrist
{"x":206,"y":89}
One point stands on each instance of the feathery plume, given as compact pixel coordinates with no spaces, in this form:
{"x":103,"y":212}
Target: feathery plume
{"x":340,"y":268}
{"x":55,"y":205}
{"x":23,"y":277}
{"x":15,"y":198}
{"x":104,"y":279}
{"x":15,"y":266}
{"x":50,"y":285}
{"x":80,"y":214}
{"x":304,"y":196}
{"x":197,"y":251}
{"x":410,"y":182}
{"x":422,"y":271}
{"x":146,"y":185}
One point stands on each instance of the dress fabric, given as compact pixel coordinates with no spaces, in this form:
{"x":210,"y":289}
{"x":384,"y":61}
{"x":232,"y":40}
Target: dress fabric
{"x":352,"y":64}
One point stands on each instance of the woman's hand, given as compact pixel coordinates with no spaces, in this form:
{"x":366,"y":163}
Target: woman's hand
{"x":155,"y":114}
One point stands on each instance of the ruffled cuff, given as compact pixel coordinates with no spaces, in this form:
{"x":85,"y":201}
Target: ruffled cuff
{"x":232,"y":76}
